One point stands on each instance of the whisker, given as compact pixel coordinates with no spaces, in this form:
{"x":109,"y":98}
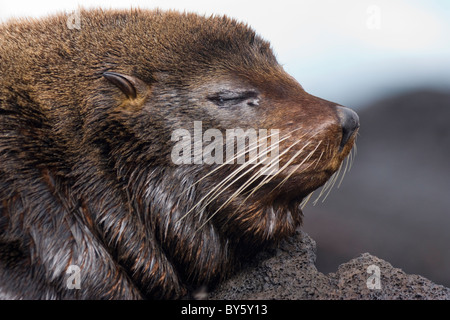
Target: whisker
{"x":345,"y":171}
{"x":306,"y":200}
{"x":318,"y":160}
{"x":355,"y":151}
{"x":213,"y":193}
{"x":298,"y":166}
{"x":286,"y":136}
{"x":229,"y":161}
{"x":351,"y":160}
{"x":323,"y":190}
{"x":238,"y":178}
{"x":247,"y":183}
{"x":257,"y":175}
{"x":269,"y":178}
{"x":335,"y":177}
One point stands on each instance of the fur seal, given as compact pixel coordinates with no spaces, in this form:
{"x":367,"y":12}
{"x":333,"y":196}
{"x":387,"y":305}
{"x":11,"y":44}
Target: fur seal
{"x":86,"y":174}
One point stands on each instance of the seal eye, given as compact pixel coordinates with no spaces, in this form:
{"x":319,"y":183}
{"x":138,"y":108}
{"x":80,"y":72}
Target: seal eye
{"x":229,"y":99}
{"x":253,"y":103}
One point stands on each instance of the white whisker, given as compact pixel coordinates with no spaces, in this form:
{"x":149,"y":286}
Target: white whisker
{"x":334,"y":178}
{"x":238,"y":178}
{"x":298,"y":166}
{"x":216,"y":191}
{"x":354,"y":150}
{"x":306,"y":200}
{"x":269,"y":178}
{"x":251,"y":146}
{"x":247,"y":183}
{"x":345,"y":171}
{"x":257,"y":175}
{"x":318,"y":160}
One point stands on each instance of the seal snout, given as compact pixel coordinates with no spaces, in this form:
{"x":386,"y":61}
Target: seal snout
{"x":349,"y":121}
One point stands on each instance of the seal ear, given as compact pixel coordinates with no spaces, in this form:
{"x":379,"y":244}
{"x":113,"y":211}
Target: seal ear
{"x":130,"y":86}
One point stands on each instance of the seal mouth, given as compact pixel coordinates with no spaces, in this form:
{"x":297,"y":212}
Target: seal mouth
{"x":298,"y":182}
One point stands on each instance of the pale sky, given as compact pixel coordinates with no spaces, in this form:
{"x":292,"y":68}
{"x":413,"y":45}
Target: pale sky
{"x":349,"y":51}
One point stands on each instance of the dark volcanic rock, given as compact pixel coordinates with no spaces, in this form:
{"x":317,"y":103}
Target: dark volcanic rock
{"x":289,"y":273}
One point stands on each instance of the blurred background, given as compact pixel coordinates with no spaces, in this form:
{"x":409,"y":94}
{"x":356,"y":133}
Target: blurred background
{"x":390,"y":61}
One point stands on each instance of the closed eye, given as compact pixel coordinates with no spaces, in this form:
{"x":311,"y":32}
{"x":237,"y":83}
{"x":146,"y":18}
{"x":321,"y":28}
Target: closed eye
{"x":231,"y":98}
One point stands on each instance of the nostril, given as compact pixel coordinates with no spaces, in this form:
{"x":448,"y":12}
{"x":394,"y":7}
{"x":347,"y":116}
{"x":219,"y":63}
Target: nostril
{"x":349,"y":121}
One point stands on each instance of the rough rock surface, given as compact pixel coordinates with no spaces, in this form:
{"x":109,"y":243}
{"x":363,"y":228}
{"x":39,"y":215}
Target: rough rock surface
{"x":289,"y":273}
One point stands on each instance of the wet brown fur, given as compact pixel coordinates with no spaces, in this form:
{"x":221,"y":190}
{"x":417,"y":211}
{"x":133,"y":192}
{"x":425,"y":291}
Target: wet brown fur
{"x":85,"y":174}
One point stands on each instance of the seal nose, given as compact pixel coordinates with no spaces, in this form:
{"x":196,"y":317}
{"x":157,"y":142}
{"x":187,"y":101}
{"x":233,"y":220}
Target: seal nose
{"x":349,"y":121}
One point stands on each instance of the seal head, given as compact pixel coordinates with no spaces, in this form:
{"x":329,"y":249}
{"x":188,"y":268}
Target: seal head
{"x":87,"y":137}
